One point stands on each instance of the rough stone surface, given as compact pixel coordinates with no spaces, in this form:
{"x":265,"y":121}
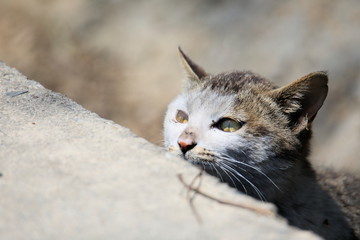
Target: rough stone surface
{"x":66,"y":173}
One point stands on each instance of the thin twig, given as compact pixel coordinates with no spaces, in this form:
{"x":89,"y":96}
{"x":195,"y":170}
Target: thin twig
{"x":191,"y":198}
{"x":198,"y":176}
{"x":225,"y":202}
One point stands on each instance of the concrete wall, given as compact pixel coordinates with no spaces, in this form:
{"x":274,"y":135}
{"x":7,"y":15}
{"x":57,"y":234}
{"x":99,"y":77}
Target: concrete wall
{"x":66,"y":173}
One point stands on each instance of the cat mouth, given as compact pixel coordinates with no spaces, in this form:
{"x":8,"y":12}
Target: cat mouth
{"x":202,"y":160}
{"x":203,"y":164}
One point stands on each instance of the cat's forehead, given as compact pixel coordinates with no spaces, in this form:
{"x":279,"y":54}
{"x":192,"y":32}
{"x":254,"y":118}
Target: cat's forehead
{"x":236,"y":82}
{"x":224,"y":94}
{"x":209,"y":101}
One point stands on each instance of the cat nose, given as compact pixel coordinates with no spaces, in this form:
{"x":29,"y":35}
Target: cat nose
{"x":186,"y":144}
{"x":187,"y":140}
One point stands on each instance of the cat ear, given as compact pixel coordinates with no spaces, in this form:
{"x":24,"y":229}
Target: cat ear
{"x":303,"y":98}
{"x":194,"y":72}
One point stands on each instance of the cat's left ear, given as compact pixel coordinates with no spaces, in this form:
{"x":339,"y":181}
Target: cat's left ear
{"x":194,"y":73}
{"x":302,"y":99}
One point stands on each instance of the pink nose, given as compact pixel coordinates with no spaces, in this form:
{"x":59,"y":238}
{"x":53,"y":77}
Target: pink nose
{"x":186,"y":144}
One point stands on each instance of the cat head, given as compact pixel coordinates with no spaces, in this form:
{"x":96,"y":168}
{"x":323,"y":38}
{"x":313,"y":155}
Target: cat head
{"x":224,"y":121}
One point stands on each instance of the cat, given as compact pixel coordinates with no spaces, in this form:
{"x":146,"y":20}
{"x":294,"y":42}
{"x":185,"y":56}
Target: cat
{"x":255,"y":136}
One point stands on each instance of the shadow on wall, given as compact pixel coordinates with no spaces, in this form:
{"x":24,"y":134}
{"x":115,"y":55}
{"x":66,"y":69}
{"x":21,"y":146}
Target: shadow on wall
{"x":119,"y":59}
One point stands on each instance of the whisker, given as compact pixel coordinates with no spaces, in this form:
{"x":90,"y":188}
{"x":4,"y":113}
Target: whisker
{"x":217,"y":172}
{"x":261,"y":196}
{"x":227,"y":172}
{"x":228,"y":158}
{"x":259,"y":193}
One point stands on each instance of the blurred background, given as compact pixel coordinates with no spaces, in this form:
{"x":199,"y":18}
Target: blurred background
{"x":119,"y":58}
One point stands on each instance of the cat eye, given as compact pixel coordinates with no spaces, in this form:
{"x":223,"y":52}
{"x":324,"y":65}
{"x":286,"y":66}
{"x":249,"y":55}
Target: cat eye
{"x":228,"y":125}
{"x":181,"y":117}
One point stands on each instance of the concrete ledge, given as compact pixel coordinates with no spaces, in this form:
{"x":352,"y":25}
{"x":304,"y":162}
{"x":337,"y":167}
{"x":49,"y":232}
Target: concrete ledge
{"x":66,"y":173}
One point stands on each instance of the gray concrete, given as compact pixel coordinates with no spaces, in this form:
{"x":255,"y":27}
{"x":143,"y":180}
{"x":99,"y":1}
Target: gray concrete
{"x":66,"y":173}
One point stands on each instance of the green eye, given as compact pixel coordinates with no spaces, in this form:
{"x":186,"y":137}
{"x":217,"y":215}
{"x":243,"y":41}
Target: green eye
{"x":181,"y":117}
{"x":229,"y":125}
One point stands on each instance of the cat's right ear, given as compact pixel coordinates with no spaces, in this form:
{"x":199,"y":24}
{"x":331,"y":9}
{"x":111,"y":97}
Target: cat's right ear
{"x":302,"y":99}
{"x":194,"y":73}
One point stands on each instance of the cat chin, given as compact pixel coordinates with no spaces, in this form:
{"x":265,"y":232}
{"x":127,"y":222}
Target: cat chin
{"x":193,"y":158}
{"x":201,"y":164}
{"x":196,"y":157}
